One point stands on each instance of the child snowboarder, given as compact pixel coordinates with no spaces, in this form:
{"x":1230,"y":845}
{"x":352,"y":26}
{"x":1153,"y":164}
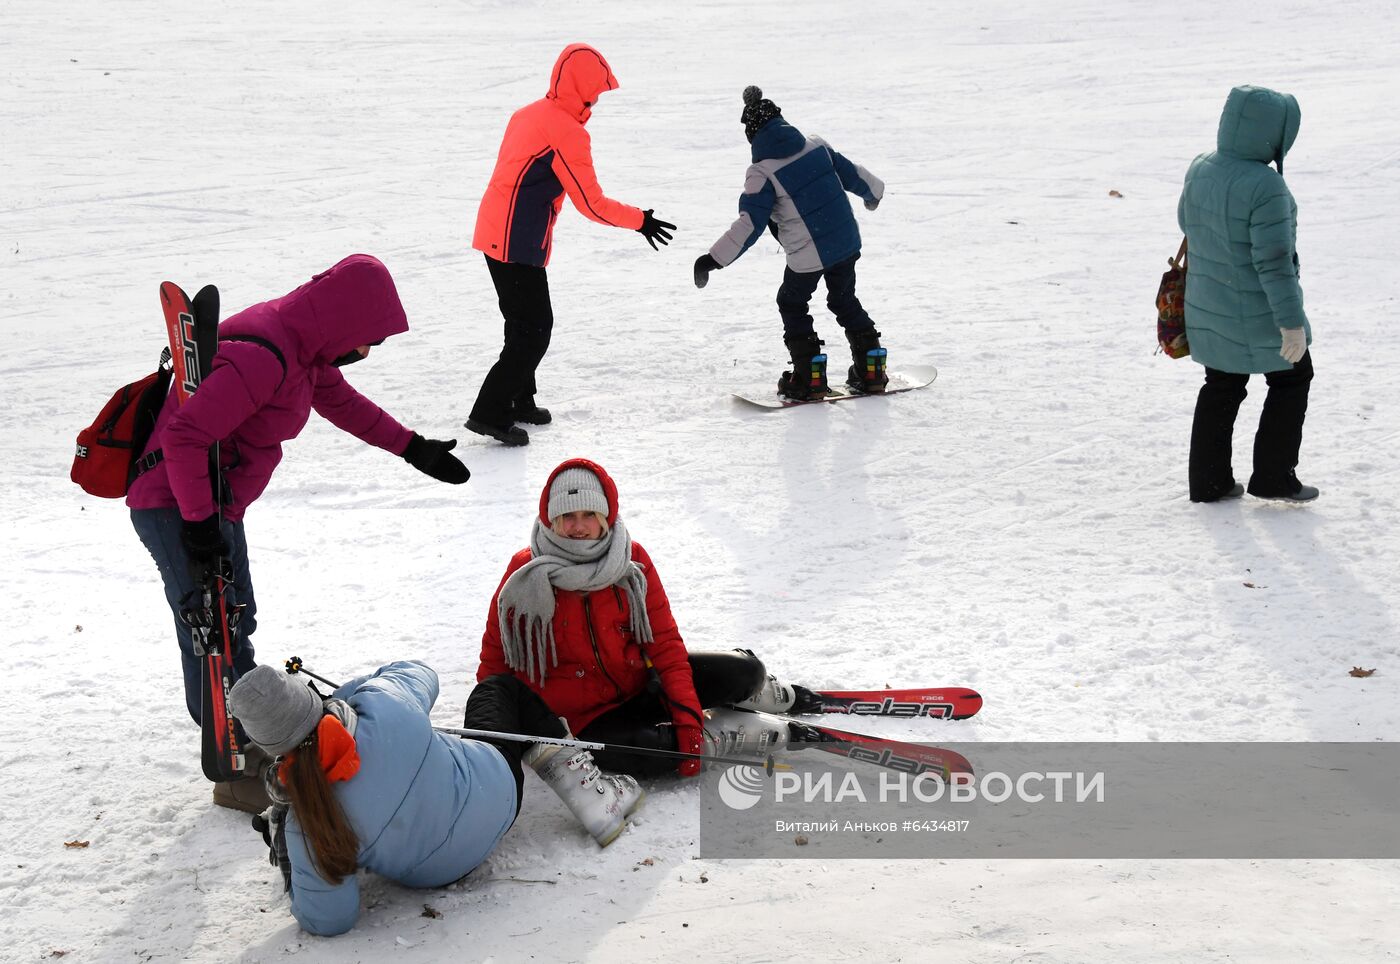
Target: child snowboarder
{"x":796,"y":188}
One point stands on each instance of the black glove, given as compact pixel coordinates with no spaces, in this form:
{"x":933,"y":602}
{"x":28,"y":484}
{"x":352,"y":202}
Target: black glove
{"x":872,"y":204}
{"x":204,"y":544}
{"x":703,"y":266}
{"x":272,"y":824}
{"x":655,"y":230}
{"x":435,"y":458}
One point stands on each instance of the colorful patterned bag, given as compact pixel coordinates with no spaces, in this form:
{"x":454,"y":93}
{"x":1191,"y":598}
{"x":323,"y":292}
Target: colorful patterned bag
{"x":1171,"y":308}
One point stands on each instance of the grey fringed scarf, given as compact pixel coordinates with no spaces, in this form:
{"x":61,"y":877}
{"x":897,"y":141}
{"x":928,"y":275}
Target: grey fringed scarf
{"x":525,"y":606}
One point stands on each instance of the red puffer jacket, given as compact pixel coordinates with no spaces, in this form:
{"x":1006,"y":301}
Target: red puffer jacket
{"x":601,"y":664}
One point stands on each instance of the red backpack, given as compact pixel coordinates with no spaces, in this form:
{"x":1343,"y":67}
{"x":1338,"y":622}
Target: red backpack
{"x":108,"y":458}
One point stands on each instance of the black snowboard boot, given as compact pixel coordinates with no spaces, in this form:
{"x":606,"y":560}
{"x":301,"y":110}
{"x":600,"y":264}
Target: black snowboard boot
{"x":867,"y":372}
{"x":807,"y":379}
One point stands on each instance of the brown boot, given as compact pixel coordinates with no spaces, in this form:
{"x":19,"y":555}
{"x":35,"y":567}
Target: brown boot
{"x":245,"y":793}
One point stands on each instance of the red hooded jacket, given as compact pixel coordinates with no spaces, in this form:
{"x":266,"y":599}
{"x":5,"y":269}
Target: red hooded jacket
{"x":544,"y":155}
{"x":601,"y":664}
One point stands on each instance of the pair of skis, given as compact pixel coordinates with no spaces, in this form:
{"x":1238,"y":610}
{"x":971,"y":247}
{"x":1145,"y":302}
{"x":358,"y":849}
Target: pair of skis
{"x":212,"y":615}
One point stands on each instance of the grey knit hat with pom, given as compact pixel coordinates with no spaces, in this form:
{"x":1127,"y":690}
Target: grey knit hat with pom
{"x":757,"y":112}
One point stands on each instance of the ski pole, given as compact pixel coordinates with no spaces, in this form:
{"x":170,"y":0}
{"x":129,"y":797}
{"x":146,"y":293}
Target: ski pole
{"x":294,"y":666}
{"x":767,"y":762}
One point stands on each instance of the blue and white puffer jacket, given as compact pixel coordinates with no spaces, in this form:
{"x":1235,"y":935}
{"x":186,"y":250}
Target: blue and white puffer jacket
{"x":798,"y":185}
{"x":427,"y":807}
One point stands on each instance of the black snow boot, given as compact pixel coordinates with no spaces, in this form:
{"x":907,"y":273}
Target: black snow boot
{"x":867,"y":372}
{"x":807,"y":379}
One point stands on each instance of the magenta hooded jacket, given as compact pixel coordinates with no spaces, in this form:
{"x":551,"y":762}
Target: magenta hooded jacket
{"x":250,"y":404}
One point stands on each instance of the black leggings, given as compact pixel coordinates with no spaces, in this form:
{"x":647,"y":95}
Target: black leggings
{"x":721,"y":679}
{"x":505,"y":704}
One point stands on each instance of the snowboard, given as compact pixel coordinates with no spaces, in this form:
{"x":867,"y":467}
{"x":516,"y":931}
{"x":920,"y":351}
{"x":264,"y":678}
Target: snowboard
{"x":905,"y":379}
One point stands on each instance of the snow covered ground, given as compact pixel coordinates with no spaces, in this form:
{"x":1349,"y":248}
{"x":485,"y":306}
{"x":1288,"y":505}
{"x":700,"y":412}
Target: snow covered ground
{"x":1021,"y":527}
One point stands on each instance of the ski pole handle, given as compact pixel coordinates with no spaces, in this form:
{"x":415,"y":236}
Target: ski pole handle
{"x":294,"y":666}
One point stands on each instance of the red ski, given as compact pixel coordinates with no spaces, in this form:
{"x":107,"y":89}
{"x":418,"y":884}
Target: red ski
{"x":213,"y":617}
{"x":911,"y":758}
{"x":945,"y":703}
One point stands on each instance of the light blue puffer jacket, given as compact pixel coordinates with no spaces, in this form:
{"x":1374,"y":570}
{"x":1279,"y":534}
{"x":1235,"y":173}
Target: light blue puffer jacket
{"x":1241,"y":226}
{"x":426,"y":807}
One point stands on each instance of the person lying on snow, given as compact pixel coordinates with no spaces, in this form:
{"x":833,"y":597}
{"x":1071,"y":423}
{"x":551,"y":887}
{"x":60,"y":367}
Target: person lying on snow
{"x":362,"y":780}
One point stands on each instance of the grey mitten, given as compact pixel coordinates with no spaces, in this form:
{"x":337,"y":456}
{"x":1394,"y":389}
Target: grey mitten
{"x":1295,"y":344}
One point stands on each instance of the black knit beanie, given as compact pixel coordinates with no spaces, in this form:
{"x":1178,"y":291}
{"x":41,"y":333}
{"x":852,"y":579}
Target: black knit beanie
{"x":757,"y":112}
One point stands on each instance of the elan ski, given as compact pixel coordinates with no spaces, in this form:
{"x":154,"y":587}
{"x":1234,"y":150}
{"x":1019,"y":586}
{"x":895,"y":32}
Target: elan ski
{"x":911,"y":758}
{"x":945,"y":703}
{"x":212,"y":615}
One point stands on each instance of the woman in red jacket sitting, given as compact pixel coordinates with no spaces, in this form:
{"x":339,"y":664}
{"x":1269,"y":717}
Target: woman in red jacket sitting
{"x":582,"y":618}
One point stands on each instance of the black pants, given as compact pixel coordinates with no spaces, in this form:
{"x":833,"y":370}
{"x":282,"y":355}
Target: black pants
{"x":721,"y":679}
{"x":523,"y":291}
{"x":797,"y":290}
{"x":1276,"y":442}
{"x":505,"y":704}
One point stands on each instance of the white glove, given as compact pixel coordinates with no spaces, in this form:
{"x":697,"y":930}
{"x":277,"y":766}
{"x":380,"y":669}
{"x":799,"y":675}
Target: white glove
{"x":1295,"y":344}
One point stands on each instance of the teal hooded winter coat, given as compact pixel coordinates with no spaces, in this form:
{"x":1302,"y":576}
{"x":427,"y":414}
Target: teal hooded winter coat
{"x":1241,"y":227}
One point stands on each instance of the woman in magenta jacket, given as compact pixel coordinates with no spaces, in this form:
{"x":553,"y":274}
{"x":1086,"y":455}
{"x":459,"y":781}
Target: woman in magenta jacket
{"x":276,"y":363}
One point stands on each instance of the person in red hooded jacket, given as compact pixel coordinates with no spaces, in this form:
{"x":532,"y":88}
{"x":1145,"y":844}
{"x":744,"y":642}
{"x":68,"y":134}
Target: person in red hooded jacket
{"x":544,"y":155}
{"x":581,"y":617}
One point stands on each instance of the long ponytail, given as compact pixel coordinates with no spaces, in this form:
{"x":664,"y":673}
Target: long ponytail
{"x":334,"y":848}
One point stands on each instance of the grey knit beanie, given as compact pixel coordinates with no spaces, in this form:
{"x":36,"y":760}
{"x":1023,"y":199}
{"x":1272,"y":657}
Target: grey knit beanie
{"x":576,"y":490}
{"x":277,"y":712}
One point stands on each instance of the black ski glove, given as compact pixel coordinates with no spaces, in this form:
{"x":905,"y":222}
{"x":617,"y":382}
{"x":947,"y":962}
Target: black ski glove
{"x":703,"y":266}
{"x":272,"y":824}
{"x":434,"y":458}
{"x":204,"y":544}
{"x":872,"y":204}
{"x":654,"y":229}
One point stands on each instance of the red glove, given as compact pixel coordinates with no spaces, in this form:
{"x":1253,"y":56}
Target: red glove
{"x":689,"y":739}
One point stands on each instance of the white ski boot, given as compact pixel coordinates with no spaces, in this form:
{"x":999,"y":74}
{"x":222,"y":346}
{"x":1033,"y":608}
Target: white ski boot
{"x":778,"y":697}
{"x":772,"y":697}
{"x":601,"y":801}
{"x":730,"y":732}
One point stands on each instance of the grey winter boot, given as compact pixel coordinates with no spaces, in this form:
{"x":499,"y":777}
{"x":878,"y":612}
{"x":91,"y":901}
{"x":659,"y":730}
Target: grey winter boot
{"x":808,"y":376}
{"x":867,"y":372}
{"x":601,"y":801}
{"x":731,"y":732}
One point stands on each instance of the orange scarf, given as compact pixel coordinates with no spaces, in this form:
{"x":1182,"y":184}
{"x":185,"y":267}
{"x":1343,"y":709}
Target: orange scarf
{"x":339,"y":757}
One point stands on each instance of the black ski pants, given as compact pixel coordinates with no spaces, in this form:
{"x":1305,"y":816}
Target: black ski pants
{"x":505,"y":704}
{"x":523,"y":293}
{"x":721,"y":679}
{"x":796,"y":292}
{"x":1276,"y":442}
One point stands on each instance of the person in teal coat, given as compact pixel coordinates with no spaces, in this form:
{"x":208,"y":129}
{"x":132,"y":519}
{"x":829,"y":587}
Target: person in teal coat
{"x":1244,"y":306}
